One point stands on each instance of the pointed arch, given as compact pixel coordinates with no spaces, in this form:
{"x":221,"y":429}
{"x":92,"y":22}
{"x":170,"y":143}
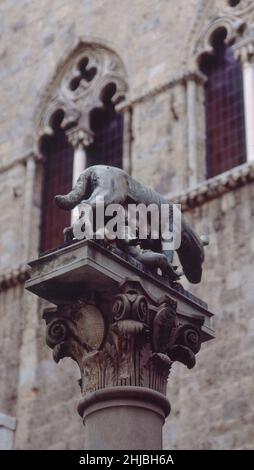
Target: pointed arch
{"x":77,"y":85}
{"x":78,"y":112}
{"x":223,"y":90}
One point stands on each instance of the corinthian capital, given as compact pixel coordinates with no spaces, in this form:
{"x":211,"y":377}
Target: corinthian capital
{"x":244,"y":51}
{"x":80,"y":137}
{"x":123,"y":339}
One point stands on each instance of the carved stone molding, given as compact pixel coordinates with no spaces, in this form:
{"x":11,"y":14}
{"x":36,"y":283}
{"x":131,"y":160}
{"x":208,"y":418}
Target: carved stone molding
{"x":123,"y":339}
{"x":211,"y":17}
{"x":228,"y":22}
{"x":244,"y":50}
{"x":181,"y":78}
{"x":78,"y":88}
{"x":243,"y":7}
{"x":14,"y":277}
{"x":79,"y":137}
{"x":215,"y":187}
{"x":235,"y":20}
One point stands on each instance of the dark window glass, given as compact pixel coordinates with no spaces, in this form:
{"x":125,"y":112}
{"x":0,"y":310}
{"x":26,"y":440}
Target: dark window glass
{"x":225,"y":139}
{"x":107,"y":126}
{"x":57,"y":180}
{"x":233,"y":3}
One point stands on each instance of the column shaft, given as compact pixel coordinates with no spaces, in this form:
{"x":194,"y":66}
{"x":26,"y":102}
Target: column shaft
{"x":192,"y":131}
{"x":127,"y":139}
{"x":122,"y":418}
{"x":79,"y":164}
{"x":248,"y":83}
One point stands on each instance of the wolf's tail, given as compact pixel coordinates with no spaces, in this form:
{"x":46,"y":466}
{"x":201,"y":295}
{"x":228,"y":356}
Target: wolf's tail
{"x":191,"y":253}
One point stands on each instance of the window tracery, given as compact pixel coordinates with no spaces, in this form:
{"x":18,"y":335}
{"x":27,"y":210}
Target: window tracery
{"x":79,"y":126}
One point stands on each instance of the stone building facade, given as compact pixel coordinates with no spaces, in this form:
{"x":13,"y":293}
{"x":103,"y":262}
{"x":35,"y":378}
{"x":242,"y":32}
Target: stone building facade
{"x":154,"y":53}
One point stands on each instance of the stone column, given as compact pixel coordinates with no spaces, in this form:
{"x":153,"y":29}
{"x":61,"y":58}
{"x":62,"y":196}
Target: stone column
{"x":79,"y":139}
{"x":123,"y":377}
{"x":28,"y":207}
{"x":193,"y":81}
{"x":7,"y":429}
{"x":246,"y":54}
{"x":124,"y":327}
{"x":126,"y":111}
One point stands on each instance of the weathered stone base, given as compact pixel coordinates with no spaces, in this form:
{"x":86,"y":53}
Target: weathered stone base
{"x":120,"y":418}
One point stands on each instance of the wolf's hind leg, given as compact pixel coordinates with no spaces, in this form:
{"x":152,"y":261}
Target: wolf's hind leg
{"x":68,"y":234}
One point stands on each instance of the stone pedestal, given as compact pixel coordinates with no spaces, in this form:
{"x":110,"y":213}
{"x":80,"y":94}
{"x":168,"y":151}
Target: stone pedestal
{"x":124,"y":326}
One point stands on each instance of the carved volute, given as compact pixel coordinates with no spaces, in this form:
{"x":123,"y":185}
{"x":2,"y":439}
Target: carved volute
{"x":125,"y":338}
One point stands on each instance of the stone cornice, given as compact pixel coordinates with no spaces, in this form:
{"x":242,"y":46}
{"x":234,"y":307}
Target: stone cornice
{"x":14,"y":277}
{"x":180,"y":78}
{"x":215,"y":187}
{"x":19,"y":161}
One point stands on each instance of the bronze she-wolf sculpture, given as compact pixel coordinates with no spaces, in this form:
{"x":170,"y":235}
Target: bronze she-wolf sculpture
{"x":117,"y":187}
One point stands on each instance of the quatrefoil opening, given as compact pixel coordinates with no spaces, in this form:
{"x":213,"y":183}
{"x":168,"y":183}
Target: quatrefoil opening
{"x":85,"y":73}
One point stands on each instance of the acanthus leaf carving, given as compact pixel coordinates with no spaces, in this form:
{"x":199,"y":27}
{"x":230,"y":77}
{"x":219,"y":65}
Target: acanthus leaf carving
{"x":80,"y":137}
{"x":164,"y":325}
{"x":126,"y":338}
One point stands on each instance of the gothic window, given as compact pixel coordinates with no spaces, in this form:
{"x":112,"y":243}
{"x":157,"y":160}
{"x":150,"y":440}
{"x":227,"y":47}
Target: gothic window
{"x":58,"y":157}
{"x":79,"y":127}
{"x":224,"y":107}
{"x":107,"y":126}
